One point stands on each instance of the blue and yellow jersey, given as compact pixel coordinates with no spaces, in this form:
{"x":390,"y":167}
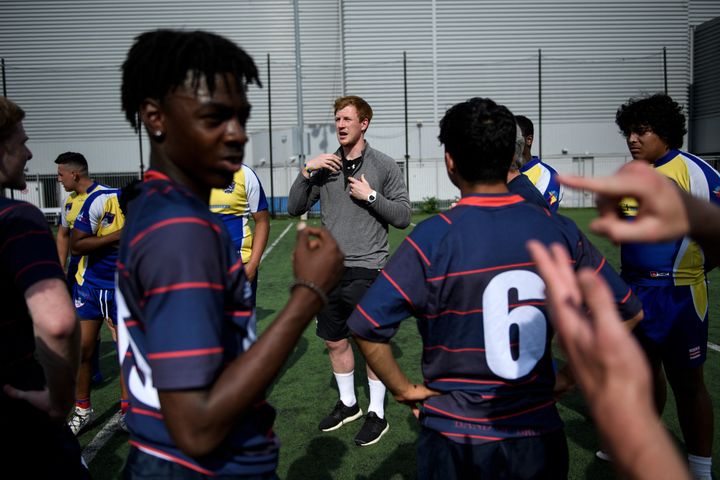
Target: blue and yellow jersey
{"x":73,"y":203}
{"x":236,"y":204}
{"x":680,"y":262}
{"x":71,"y":208}
{"x":544,"y":177}
{"x":100,"y":216}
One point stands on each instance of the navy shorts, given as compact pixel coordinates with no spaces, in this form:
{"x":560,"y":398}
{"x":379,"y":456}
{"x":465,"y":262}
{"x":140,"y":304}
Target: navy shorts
{"x":675,"y":324}
{"x":544,"y":456}
{"x":332,"y":320}
{"x":95,"y":303}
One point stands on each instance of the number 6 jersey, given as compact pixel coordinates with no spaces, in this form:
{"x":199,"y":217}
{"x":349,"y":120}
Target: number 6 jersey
{"x":468,"y":279}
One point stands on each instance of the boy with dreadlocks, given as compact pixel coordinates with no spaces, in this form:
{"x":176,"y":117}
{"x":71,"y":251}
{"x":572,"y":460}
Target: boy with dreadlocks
{"x":195,"y":372}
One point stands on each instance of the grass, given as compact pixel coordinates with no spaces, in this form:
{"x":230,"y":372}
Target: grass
{"x":305,"y":391}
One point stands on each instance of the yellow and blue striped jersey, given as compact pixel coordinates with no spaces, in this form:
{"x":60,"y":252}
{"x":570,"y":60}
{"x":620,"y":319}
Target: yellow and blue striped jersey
{"x":236,"y":204}
{"x":100,"y":216}
{"x":73,"y":203}
{"x":680,"y":262}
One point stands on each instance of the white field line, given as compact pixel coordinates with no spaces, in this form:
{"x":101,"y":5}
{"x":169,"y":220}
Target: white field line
{"x":712,"y":346}
{"x":102,"y":437}
{"x":270,"y":248}
{"x":112,"y":425}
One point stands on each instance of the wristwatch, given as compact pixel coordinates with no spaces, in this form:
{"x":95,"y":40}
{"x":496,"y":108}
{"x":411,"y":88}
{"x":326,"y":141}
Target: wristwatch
{"x":372,"y":196}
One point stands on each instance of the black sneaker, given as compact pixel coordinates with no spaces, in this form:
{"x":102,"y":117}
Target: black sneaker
{"x":372,"y":431}
{"x":340,"y":416}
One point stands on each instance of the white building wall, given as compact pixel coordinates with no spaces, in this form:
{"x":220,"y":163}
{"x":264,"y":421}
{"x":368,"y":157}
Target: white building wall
{"x":63,"y":59}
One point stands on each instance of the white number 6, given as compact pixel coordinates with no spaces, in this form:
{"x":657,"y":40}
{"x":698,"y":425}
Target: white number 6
{"x":498,"y":318}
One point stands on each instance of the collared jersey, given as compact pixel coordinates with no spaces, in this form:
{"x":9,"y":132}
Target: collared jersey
{"x":71,"y":208}
{"x":680,"y":262}
{"x":100,"y":216}
{"x":185,"y":313}
{"x":236,"y":204}
{"x":544,"y":177}
{"x":467,"y":278}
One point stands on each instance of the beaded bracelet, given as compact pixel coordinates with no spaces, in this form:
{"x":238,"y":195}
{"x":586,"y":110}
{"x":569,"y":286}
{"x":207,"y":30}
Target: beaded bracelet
{"x":308,"y":169}
{"x":298,"y":282}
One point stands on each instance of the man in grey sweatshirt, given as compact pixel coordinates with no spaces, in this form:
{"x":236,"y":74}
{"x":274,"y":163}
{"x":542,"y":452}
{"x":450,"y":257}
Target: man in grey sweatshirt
{"x":361,"y":192}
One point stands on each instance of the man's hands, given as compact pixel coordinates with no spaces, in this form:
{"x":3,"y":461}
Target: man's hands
{"x":359,"y":189}
{"x":413,"y":394}
{"x":317,"y":257}
{"x":328,"y":161}
{"x":661,"y":213}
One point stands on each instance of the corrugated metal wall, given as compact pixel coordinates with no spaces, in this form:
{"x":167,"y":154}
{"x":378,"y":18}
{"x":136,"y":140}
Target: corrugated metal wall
{"x":63,"y":57}
{"x":705,"y":111}
{"x":63,"y":60}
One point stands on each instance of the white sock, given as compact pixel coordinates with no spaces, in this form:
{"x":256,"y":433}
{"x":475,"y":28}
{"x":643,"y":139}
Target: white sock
{"x":377,"y":397}
{"x":700,"y":467}
{"x":346,"y":386}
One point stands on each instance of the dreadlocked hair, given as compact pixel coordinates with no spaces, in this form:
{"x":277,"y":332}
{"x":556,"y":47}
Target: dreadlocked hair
{"x":159,"y":61}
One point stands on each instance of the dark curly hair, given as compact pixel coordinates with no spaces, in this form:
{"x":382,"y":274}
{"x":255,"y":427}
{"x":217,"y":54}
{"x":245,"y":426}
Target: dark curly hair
{"x":480,"y":136}
{"x":659,"y":113}
{"x":159,"y":61}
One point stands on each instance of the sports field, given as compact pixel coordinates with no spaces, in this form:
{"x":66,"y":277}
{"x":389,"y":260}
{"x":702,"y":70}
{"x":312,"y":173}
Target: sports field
{"x":305,"y":392}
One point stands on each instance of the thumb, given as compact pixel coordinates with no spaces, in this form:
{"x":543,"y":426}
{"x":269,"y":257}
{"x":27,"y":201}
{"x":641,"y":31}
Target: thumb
{"x":362,"y":177}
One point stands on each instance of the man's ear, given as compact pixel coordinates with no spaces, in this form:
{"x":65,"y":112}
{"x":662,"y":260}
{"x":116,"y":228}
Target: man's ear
{"x":364,"y":125}
{"x":529,"y":140}
{"x":151,"y":115}
{"x":451,"y":168}
{"x":449,"y":164}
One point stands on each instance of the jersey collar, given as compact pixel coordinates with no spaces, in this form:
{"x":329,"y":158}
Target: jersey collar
{"x":490,"y":200}
{"x":666,"y":158}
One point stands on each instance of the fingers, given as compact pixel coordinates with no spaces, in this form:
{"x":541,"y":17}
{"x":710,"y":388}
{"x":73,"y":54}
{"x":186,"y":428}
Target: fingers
{"x":599,"y":300}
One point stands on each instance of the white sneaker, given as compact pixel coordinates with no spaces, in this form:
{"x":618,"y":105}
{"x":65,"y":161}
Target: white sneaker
{"x":80,"y":418}
{"x":603,"y":456}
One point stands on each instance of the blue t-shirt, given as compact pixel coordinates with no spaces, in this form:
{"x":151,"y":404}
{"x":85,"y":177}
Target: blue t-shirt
{"x":183,"y":315}
{"x":467,"y":278}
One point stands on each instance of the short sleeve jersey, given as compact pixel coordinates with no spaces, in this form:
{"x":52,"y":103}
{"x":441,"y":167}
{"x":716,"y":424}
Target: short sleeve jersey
{"x":184,"y":313}
{"x":467,"y":278}
{"x":679,"y":262}
{"x":27,"y":256}
{"x":100,"y":216}
{"x":73,"y":203}
{"x":236,"y":204}
{"x":544,"y":177}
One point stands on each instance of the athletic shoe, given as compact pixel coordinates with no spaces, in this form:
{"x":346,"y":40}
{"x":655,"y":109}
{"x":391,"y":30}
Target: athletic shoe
{"x":80,"y":418}
{"x":603,"y":456}
{"x":340,"y":416}
{"x":372,"y":430}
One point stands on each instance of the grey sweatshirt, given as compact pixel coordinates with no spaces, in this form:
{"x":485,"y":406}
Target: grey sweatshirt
{"x":360,"y":229}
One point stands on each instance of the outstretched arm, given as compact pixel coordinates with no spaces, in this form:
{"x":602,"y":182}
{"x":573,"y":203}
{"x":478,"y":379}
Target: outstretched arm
{"x":664,"y":211}
{"x":380,"y":358}
{"x":609,"y":366}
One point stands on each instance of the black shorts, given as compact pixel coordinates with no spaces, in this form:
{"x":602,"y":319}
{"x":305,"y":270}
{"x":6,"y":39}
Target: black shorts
{"x":332,"y":320}
{"x":540,"y":457}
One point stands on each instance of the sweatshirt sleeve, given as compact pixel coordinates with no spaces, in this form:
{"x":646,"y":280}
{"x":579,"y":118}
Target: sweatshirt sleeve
{"x":303,"y":195}
{"x":393,"y":204}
